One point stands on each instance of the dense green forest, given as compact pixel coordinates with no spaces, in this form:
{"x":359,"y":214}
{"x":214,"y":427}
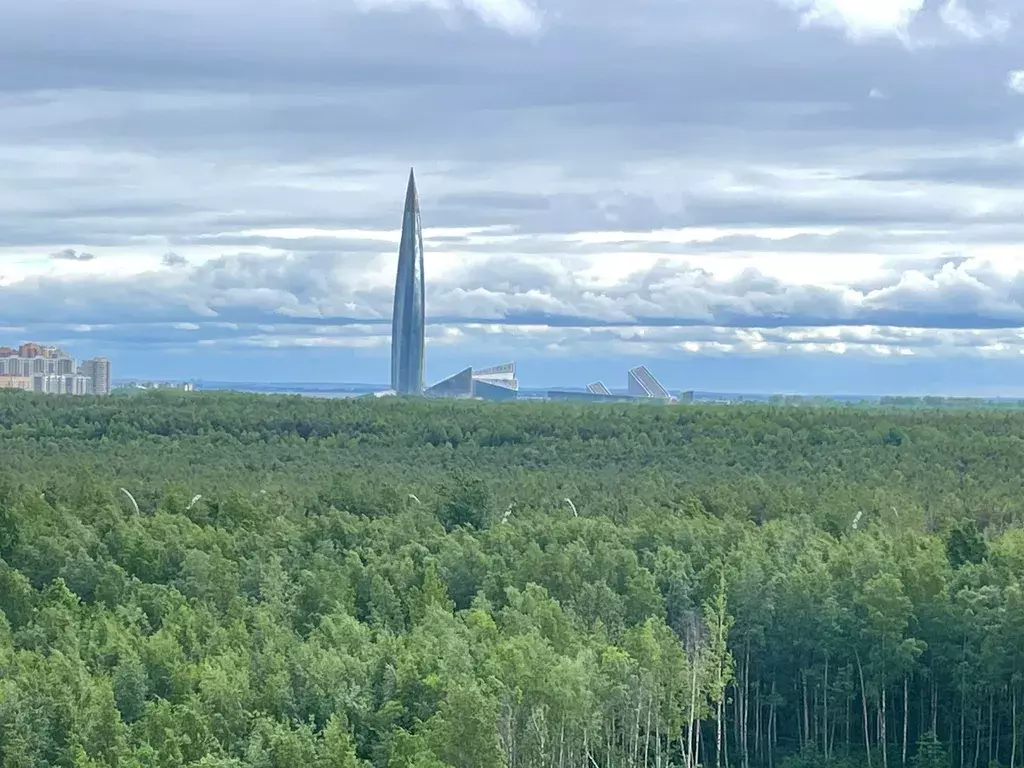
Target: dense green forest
{"x":226,"y":580}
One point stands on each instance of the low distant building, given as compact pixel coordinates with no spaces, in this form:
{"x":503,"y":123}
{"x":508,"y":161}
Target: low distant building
{"x":588,"y":396}
{"x":495,"y":383}
{"x":62,"y":384}
{"x":16,"y":382}
{"x":184,"y":386}
{"x":382,"y":393}
{"x":641,"y":386}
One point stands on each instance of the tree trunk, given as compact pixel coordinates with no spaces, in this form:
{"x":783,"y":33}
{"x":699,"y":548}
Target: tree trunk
{"x":757,"y":728}
{"x":998,"y":740}
{"x":720,"y":706}
{"x":831,"y":736}
{"x":745,"y":709}
{"x":814,"y":718}
{"x":864,"y":707}
{"x":824,"y":706}
{"x":807,"y":725}
{"x":647,"y":729}
{"x":963,"y":720}
{"x":991,"y":725}
{"x":657,"y":741}
{"x":737,"y":720}
{"x":1013,"y":714}
{"x":847,"y":725}
{"x":921,"y":709}
{"x":690,"y":740}
{"x":725,"y":734}
{"x":882,"y":735}
{"x":609,"y":739}
{"x":906,"y":708}
{"x":636,"y":729}
{"x":977,"y":735}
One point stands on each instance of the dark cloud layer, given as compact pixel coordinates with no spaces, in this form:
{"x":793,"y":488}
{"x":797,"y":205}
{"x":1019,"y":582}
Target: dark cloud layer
{"x":70,"y":254}
{"x":317,"y":286}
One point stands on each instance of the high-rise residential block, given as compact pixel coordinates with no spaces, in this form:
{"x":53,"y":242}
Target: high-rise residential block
{"x":97,"y":371}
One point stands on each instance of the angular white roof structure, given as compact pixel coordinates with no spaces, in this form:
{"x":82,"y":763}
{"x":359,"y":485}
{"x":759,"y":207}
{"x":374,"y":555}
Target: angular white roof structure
{"x":643,"y":384}
{"x":503,"y":375}
{"x":496,"y":382}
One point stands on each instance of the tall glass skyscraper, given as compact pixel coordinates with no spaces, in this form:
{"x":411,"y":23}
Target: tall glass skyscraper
{"x":407,"y":323}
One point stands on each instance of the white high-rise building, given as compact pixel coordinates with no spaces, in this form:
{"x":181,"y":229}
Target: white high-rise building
{"x":98,"y":370}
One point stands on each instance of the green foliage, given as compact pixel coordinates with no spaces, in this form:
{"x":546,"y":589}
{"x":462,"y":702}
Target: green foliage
{"x":463,"y":501}
{"x":964,"y":543}
{"x":384,"y":582}
{"x":930,"y":752}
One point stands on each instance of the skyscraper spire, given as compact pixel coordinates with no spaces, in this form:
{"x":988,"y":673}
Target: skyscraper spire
{"x":408,"y":319}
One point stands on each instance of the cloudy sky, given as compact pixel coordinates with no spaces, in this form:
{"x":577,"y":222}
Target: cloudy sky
{"x":746,"y":195}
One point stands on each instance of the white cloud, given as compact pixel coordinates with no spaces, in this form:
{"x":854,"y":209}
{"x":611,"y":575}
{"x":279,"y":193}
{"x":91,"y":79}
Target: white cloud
{"x":1015,"y":81}
{"x":973,"y":25}
{"x":860,"y":18}
{"x":514,"y":15}
{"x":519,"y":17}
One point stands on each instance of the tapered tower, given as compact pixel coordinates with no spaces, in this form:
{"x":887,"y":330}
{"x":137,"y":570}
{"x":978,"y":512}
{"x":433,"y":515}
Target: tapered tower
{"x":407,"y":322}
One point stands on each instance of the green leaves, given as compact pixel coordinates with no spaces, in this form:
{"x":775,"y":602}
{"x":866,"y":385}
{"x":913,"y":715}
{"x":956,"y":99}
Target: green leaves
{"x":965,"y":544}
{"x":370,"y":584}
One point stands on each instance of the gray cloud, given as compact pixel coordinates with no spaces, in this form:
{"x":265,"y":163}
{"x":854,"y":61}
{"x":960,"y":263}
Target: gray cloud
{"x":202,"y":129}
{"x":172,"y":259}
{"x":320,"y":287}
{"x":70,"y":254}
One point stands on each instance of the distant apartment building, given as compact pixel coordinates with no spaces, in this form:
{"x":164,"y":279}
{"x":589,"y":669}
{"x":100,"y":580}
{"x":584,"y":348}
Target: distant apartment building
{"x":98,"y":372}
{"x":50,"y":370}
{"x":16,"y":382}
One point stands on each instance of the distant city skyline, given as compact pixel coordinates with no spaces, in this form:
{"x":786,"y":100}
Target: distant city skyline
{"x":827,"y":200}
{"x":47,"y":369}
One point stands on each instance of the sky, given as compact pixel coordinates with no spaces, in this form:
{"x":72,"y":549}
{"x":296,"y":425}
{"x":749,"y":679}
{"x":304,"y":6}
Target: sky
{"x":817,"y":196}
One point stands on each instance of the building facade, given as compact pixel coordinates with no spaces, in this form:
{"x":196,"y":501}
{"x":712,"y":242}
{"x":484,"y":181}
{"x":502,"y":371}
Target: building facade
{"x":641,"y":383}
{"x":16,"y":382}
{"x":408,"y":319}
{"x":495,"y":383}
{"x":98,"y":372}
{"x":50,"y":370}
